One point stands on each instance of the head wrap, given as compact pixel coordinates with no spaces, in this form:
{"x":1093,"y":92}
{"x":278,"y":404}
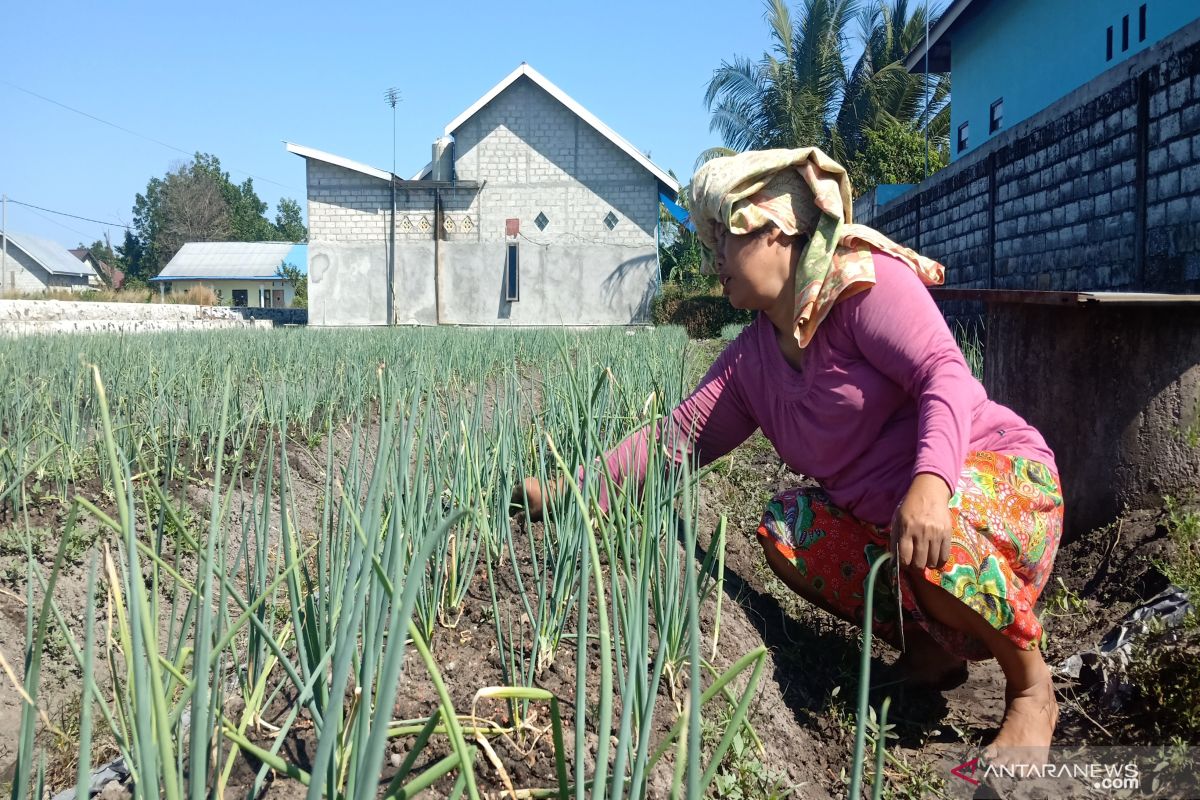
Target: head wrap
{"x":801,"y":191}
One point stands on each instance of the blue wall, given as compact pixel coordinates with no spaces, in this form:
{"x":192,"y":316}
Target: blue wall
{"x":1033,"y":52}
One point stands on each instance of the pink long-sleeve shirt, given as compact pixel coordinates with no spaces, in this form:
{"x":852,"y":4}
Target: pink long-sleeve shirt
{"x":884,"y":394}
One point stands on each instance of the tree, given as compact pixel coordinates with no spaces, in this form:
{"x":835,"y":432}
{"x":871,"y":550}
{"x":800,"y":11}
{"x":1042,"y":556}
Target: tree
{"x":894,"y":153}
{"x":799,"y":92}
{"x":289,"y":222}
{"x":679,"y":248}
{"x":197,"y":202}
{"x":299,"y":281}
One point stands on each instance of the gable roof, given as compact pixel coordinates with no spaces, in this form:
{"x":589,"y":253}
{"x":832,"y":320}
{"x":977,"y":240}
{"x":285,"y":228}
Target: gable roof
{"x":938,"y":45}
{"x":232,"y":260}
{"x":339,"y":161}
{"x":558,"y":94}
{"x":51,"y":256}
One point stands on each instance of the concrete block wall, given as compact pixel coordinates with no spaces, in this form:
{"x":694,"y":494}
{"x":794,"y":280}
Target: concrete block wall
{"x":538,"y":156}
{"x":23,"y":274}
{"x":532,"y":155}
{"x":1101,"y":191}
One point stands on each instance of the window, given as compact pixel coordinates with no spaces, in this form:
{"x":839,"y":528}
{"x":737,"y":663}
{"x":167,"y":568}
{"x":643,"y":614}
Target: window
{"x":1108,"y":57}
{"x":240,"y":300}
{"x":996,"y":118}
{"x":541,"y":221}
{"x":1124,"y":33}
{"x":610,"y":219}
{"x":1142,"y":23}
{"x":512,"y":274}
{"x":962,"y":136}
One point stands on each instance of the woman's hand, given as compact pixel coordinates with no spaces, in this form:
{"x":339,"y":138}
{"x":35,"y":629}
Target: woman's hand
{"x":530,"y":493}
{"x":921,"y":525}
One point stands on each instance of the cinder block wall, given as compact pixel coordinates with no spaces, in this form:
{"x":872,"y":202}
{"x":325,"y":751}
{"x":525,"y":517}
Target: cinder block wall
{"x":533,"y":156}
{"x":1101,"y":191}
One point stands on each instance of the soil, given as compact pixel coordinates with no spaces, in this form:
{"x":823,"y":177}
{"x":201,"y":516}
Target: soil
{"x":804,"y":708}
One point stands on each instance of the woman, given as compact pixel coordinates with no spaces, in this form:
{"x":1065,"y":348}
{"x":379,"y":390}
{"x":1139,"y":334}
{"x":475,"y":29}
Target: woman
{"x":851,"y":372}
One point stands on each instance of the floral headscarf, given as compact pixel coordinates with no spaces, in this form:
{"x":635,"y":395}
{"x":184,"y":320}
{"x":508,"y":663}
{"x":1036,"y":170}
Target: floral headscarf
{"x":801,"y":191}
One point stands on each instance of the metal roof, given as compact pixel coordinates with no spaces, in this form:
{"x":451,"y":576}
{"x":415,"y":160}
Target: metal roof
{"x":233,"y":260}
{"x":53,"y":257}
{"x":568,"y":101}
{"x":938,"y":44}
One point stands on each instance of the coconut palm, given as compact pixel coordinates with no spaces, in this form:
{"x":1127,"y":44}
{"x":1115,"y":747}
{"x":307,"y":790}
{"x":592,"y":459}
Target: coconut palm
{"x":799,"y":92}
{"x":880,"y":92}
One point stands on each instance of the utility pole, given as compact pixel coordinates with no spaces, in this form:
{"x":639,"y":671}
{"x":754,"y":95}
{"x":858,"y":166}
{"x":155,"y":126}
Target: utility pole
{"x":3,"y":240}
{"x":392,"y":96}
{"x":928,"y":11}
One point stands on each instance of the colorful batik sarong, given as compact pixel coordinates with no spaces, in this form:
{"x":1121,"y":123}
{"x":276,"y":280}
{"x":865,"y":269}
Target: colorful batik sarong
{"x":1007,"y":514}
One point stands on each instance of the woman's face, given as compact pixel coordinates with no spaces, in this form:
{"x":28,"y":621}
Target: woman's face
{"x":755,"y":269}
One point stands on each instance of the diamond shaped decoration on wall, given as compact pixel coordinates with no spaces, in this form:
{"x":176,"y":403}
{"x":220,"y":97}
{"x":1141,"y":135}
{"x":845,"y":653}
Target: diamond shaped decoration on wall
{"x":406,"y":225}
{"x":423,"y":225}
{"x":448,"y":224}
{"x":610,"y":219}
{"x":541,"y":221}
{"x":467,"y":225}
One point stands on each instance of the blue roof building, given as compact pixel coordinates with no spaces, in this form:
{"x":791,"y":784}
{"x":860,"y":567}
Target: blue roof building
{"x":1009,"y":59}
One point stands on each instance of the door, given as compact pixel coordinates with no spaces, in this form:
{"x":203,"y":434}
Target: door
{"x":277,"y":298}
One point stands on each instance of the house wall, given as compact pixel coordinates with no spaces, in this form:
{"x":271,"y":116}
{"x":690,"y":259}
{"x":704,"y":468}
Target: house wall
{"x":224,"y":290}
{"x":1101,"y":191}
{"x":23,"y":274}
{"x":533,"y":156}
{"x":1033,"y":52}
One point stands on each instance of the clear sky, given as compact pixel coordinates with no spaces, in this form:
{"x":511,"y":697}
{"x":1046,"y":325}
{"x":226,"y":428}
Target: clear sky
{"x":238,"y":79}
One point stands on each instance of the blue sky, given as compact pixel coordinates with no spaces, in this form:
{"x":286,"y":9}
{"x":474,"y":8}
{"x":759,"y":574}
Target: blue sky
{"x":237,"y":79}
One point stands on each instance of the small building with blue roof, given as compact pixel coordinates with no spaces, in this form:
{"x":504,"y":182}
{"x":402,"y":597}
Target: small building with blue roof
{"x":242,"y":274}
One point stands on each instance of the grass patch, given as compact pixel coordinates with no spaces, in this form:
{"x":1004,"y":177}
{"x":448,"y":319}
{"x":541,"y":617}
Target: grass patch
{"x":1165,"y":669}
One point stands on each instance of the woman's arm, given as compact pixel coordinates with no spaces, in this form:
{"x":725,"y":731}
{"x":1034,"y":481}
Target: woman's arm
{"x":901,"y":332}
{"x":709,"y":423}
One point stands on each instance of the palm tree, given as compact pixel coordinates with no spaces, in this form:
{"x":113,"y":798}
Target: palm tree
{"x":880,"y":91}
{"x":799,"y":92}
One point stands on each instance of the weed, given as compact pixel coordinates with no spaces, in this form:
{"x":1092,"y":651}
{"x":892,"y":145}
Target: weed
{"x":742,"y":775}
{"x":1064,"y":601}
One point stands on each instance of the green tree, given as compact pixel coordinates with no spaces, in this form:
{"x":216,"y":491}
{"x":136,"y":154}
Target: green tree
{"x":198,"y":202}
{"x":679,"y":248}
{"x":299,"y":281}
{"x":288,"y":221}
{"x":799,"y":93}
{"x":893,"y":153}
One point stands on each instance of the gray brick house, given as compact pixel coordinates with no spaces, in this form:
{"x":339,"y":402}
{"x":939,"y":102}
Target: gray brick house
{"x":532,"y":212}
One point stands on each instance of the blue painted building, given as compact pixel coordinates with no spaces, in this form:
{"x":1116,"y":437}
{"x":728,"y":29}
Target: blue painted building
{"x":1009,"y":59}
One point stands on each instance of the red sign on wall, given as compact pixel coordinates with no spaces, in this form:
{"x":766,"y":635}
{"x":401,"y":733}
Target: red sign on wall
{"x":512,"y":227}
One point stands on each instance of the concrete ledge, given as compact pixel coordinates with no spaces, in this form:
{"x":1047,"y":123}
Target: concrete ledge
{"x":44,"y":311}
{"x":1115,"y":390}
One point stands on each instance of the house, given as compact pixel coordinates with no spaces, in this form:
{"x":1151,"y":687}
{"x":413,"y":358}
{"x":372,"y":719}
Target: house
{"x":244,"y":274}
{"x":531,"y":212}
{"x":1009,"y":59}
{"x":116,"y":278}
{"x":31,"y":264}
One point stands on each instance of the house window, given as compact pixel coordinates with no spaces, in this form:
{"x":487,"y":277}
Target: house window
{"x":240,"y":299}
{"x":1124,"y":33}
{"x":996,"y":118}
{"x":1108,"y":51}
{"x":610,"y":219}
{"x":1142,"y":23}
{"x":512,"y":274}
{"x":541,"y":221}
{"x":962,"y":136}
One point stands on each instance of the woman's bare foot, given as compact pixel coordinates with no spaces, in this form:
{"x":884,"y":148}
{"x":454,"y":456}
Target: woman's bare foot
{"x":925,"y":664}
{"x":1030,"y":715}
